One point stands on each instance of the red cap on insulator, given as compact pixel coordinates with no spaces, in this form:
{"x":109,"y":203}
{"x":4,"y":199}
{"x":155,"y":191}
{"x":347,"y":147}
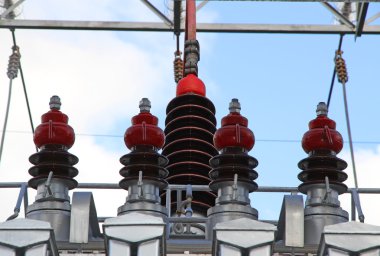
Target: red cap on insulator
{"x":144,"y":129}
{"x":54,"y":128}
{"x":234,"y":131}
{"x":191,"y":84}
{"x":322,"y":134}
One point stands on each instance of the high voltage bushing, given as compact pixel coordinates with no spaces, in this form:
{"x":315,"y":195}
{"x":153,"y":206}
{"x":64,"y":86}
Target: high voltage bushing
{"x":144,"y":172}
{"x":54,"y":137}
{"x":53,"y":172}
{"x":322,"y":175}
{"x":232,"y":171}
{"x":190,"y":126}
{"x":322,"y":142}
{"x":234,"y":139}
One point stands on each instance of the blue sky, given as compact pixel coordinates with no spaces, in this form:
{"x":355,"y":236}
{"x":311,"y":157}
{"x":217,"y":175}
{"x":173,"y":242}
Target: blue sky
{"x":279,"y":79}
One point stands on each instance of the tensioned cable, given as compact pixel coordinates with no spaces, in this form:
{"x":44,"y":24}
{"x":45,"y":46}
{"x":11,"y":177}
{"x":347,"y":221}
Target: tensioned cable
{"x":24,"y":85}
{"x":6,"y":118}
{"x":334,"y":73}
{"x":341,"y":70}
{"x":258,"y":140}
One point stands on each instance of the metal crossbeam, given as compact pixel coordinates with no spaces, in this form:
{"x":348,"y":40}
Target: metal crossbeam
{"x":10,"y":9}
{"x":201,"y":27}
{"x":338,"y":15}
{"x":362,"y":13}
{"x":158,"y":12}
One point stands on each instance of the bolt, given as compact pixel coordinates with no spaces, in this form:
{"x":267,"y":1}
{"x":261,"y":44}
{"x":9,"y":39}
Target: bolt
{"x":322,"y":109}
{"x":234,"y":106}
{"x":145,"y":105}
{"x":55,"y":102}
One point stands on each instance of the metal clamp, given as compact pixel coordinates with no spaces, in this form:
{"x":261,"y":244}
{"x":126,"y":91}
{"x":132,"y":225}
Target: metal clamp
{"x":140,"y":184}
{"x":327,"y":198}
{"x":235,"y":188}
{"x":48,"y":185}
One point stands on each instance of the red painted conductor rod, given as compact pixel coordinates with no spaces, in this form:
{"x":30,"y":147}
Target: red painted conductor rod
{"x":191,"y":21}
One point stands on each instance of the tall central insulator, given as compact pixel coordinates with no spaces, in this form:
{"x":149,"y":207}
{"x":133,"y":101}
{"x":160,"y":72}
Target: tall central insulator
{"x":53,"y":137}
{"x":322,"y":176}
{"x":144,"y":172}
{"x":190,"y":126}
{"x":322,"y":142}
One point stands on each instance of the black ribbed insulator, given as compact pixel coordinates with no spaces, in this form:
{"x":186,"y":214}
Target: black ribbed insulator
{"x":190,"y":127}
{"x":53,"y":158}
{"x":319,"y":165}
{"x":233,"y":161}
{"x":147,"y":160}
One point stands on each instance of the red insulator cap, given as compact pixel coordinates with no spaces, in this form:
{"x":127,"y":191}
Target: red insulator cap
{"x":54,"y":128}
{"x":234,"y":131}
{"x":144,"y":129}
{"x":322,"y":134}
{"x":191,"y":84}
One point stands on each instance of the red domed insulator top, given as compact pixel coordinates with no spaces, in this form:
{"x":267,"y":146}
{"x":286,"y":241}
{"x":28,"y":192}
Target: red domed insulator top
{"x":191,"y":84}
{"x":322,"y":134}
{"x":234,"y":131}
{"x":144,"y":129}
{"x":54,"y":128}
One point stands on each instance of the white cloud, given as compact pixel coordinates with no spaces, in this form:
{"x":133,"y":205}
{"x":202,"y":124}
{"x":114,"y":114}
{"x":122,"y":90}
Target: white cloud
{"x":100,"y":80}
{"x":100,"y":77}
{"x":367,"y":163}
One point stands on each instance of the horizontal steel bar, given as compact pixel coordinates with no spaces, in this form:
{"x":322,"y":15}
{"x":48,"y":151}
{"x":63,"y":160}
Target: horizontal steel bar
{"x":187,"y":220}
{"x":194,"y":187}
{"x":272,"y":189}
{"x":201,"y":27}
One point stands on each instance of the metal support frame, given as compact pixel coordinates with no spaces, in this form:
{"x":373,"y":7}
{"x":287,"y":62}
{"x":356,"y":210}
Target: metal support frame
{"x":10,"y":9}
{"x":362,"y":13}
{"x":338,"y":15}
{"x":201,"y":27}
{"x":158,"y":13}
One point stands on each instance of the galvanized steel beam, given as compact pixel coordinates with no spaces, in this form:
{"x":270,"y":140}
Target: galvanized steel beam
{"x":362,"y":13}
{"x":201,"y":27}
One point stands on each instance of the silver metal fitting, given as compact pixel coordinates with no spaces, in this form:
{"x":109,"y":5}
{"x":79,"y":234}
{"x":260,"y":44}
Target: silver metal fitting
{"x":145,"y":105}
{"x":234,"y":106}
{"x":322,"y":109}
{"x":14,"y":63}
{"x":55,"y":102}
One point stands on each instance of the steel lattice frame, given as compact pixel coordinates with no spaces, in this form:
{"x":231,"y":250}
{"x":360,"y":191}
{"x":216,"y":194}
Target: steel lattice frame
{"x":359,"y":27}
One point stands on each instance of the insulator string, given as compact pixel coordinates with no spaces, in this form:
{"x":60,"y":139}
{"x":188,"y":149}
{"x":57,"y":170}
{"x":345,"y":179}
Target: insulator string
{"x":334,"y":73}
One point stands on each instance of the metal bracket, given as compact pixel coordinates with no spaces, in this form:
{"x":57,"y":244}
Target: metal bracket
{"x":47,"y":186}
{"x":83,"y":221}
{"x":356,"y":204}
{"x":235,"y":188}
{"x":140,"y":184}
{"x":327,"y":196}
{"x":291,"y":222}
{"x":21,"y":196}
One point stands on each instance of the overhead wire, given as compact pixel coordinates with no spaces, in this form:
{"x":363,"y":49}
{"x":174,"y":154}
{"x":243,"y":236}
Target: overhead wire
{"x":257,"y":140}
{"x":334,"y":73}
{"x":6,"y":118}
{"x":12,"y":71}
{"x":24,"y":86}
{"x":14,"y":66}
{"x":341,"y":70}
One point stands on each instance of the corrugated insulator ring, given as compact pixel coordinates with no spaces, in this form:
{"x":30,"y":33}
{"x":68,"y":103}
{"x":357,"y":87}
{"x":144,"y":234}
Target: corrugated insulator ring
{"x":321,"y":164}
{"x":147,"y":160}
{"x":53,"y":158}
{"x":230,"y":162}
